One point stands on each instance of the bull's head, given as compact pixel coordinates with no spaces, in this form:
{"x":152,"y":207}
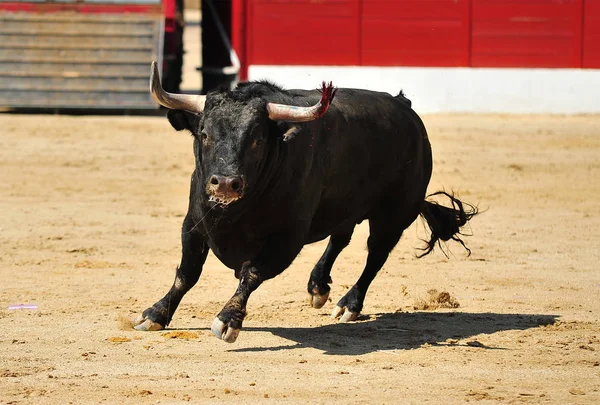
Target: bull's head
{"x":232,"y":138}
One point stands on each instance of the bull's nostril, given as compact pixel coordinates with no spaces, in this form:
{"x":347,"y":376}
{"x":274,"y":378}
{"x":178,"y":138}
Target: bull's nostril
{"x":236,"y":185}
{"x":214,"y":180}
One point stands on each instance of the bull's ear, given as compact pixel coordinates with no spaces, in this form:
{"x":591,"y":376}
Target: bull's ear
{"x":287,"y":131}
{"x":181,"y":120}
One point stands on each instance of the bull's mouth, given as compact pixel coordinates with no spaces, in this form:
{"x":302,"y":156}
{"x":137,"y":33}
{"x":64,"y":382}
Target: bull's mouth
{"x":224,"y":199}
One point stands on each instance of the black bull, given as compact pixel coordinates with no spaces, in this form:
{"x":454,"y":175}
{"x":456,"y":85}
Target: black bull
{"x":271,"y":177}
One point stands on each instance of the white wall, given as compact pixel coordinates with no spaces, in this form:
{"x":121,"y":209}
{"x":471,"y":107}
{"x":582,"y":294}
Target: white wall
{"x":471,"y":90}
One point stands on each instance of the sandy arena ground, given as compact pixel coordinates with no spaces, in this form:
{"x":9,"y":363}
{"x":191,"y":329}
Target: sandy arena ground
{"x":90,"y":215}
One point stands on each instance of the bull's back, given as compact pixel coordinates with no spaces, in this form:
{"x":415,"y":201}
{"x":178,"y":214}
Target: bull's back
{"x":374,"y":148}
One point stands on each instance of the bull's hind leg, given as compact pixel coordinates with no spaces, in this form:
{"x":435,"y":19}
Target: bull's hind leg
{"x":384,"y":235}
{"x":320,"y":278}
{"x":194,"y":251}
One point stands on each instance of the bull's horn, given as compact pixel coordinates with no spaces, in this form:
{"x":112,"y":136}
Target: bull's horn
{"x":193,"y":103}
{"x":291,"y":113}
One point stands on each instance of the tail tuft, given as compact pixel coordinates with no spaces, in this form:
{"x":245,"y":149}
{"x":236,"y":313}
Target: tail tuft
{"x":445,"y":223}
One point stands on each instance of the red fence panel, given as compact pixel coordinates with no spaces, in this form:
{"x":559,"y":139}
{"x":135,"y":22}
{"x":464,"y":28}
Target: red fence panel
{"x":415,"y":32}
{"x":591,"y":34}
{"x":303,"y":32}
{"x":527,"y":33}
{"x":478,"y":33}
{"x":239,"y":34}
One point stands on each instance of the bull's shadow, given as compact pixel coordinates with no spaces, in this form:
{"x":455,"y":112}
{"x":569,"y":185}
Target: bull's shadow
{"x":399,"y":331}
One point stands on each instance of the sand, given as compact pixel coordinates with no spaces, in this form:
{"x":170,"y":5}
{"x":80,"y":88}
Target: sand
{"x":90,"y":216}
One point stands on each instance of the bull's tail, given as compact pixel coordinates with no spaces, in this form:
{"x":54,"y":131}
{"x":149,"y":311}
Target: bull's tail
{"x":446,"y":223}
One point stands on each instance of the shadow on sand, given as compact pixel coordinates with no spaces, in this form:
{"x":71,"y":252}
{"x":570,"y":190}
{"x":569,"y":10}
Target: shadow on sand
{"x":399,"y":331}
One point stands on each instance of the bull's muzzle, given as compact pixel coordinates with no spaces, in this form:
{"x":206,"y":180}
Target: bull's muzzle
{"x":225,"y":189}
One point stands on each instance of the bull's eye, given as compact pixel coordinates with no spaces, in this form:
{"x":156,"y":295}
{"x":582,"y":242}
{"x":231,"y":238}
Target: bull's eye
{"x":256,"y":143}
{"x":204,"y":137}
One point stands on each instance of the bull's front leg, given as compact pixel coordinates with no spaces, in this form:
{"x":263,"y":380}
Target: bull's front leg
{"x":194,"y":252}
{"x":276,"y":255}
{"x":228,"y":323}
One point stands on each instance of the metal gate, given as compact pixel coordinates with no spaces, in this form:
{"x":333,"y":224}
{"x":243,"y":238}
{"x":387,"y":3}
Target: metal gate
{"x":52,"y":56}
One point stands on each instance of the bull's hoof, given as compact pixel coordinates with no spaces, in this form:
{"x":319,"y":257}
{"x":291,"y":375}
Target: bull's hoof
{"x":344,"y":314}
{"x":319,"y":292}
{"x":223,"y":331}
{"x":317,"y":301}
{"x":349,"y":307}
{"x":142,"y":323}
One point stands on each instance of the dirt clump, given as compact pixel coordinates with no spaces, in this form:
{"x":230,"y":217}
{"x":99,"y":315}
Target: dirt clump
{"x":180,"y":334}
{"x":119,"y":339}
{"x":436,"y":300}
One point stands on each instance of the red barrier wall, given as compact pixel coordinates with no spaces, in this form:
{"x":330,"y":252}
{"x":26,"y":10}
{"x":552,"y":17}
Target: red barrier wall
{"x":591,"y":34}
{"x":526,"y":33}
{"x":415,"y":33}
{"x":478,"y":33}
{"x":303,"y":32}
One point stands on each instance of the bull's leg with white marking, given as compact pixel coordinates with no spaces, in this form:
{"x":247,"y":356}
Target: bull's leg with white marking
{"x":382,"y":240}
{"x":194,"y":251}
{"x":276,"y":255}
{"x":320,"y":277}
{"x":228,"y":323}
